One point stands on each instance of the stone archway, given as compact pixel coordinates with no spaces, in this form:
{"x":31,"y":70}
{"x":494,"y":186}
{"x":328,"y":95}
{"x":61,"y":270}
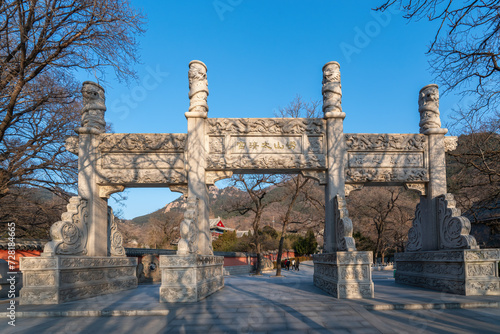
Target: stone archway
{"x":441,"y":253}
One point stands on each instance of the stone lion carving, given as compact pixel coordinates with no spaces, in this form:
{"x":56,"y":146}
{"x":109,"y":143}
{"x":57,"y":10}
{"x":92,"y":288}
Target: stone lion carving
{"x":428,"y":107}
{"x":148,"y":270}
{"x":93,"y":107}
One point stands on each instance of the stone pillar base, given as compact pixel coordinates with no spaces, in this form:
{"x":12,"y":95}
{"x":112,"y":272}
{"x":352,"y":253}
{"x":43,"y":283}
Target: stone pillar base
{"x":190,"y":278}
{"x":345,"y":275}
{"x":59,"y":279}
{"x":471,"y":272}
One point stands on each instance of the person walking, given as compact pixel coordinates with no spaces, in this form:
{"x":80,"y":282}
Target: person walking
{"x":293,"y":264}
{"x":297,"y":265}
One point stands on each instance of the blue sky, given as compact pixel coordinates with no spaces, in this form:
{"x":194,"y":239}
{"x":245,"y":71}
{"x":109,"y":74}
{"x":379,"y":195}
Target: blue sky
{"x":260,"y":55}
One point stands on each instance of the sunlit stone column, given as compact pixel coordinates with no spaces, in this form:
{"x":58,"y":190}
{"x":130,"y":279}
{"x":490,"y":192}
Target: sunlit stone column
{"x":341,"y":270}
{"x":196,"y":154}
{"x":332,"y":109}
{"x":93,"y":124}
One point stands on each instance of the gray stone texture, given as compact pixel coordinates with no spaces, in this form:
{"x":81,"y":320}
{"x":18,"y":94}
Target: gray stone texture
{"x":54,"y":280}
{"x":344,"y":275}
{"x":190,"y":278}
{"x":465,"y":272}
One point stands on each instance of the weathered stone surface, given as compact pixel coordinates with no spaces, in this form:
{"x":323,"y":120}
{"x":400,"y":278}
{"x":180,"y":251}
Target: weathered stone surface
{"x":465,"y":272}
{"x":190,"y":278}
{"x":54,"y":280}
{"x":345,"y":275}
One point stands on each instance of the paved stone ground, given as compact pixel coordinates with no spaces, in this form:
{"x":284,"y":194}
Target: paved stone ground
{"x":267,"y":304}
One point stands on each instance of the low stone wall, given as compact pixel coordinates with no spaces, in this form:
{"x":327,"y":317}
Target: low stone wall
{"x":237,"y":270}
{"x":465,"y":272}
{"x":54,"y":280}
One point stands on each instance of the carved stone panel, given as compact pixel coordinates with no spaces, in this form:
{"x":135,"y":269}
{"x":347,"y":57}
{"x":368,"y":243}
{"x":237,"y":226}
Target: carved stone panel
{"x":141,"y":142}
{"x":265,"y":126}
{"x":390,"y":159}
{"x":142,"y":161}
{"x":266,"y":145}
{"x":266,"y":161}
{"x":148,"y":176}
{"x":385,"y":142}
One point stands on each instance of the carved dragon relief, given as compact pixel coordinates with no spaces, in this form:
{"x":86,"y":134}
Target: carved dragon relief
{"x":265,"y":126}
{"x":265,"y":161}
{"x":189,"y":228}
{"x":115,"y":241}
{"x":454,"y":228}
{"x":141,"y":142}
{"x":69,"y":235}
{"x":343,"y":224}
{"x":385,"y":142}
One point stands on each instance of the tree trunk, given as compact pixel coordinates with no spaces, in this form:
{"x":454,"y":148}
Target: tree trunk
{"x":280,"y":253}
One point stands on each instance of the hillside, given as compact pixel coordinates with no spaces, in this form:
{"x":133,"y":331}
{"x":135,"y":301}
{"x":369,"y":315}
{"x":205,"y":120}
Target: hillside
{"x":221,"y":205}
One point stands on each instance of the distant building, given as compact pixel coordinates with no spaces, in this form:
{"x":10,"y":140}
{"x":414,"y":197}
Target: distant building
{"x":217,"y":228}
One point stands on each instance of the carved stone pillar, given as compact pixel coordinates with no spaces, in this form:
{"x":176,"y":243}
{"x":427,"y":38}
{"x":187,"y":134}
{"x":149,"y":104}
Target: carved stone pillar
{"x":85,"y":257}
{"x":93,"y":124}
{"x":335,"y":183}
{"x":341,"y":271}
{"x":196,"y":155}
{"x":194,"y":273}
{"x":440,"y":253}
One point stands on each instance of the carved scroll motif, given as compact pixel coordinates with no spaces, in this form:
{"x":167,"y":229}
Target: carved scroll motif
{"x":198,"y":87}
{"x":385,"y":142}
{"x":450,"y":143}
{"x":212,"y":177}
{"x":106,"y":191}
{"x":343,"y":225}
{"x":93,"y":108}
{"x":265,"y":126}
{"x":332,"y":90}
{"x":318,"y":175}
{"x":189,"y":229}
{"x":69,"y":235}
{"x":418,"y":187}
{"x":415,"y":233}
{"x":71,"y":144}
{"x":139,"y":142}
{"x":454,"y":228}
{"x":352,"y":187}
{"x":115,"y":242}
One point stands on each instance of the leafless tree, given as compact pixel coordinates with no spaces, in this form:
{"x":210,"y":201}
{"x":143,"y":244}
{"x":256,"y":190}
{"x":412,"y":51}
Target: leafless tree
{"x":42,"y":43}
{"x":295,"y":183}
{"x":465,"y":51}
{"x":385,"y":212}
{"x":257,"y":186}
